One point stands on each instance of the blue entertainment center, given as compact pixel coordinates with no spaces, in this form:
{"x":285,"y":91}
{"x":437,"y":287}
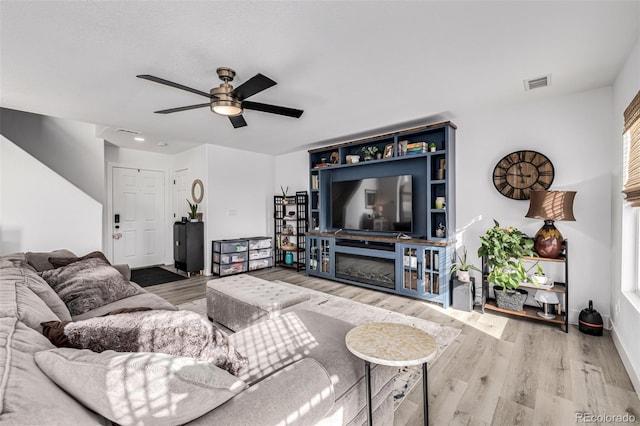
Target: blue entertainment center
{"x":382,"y":212}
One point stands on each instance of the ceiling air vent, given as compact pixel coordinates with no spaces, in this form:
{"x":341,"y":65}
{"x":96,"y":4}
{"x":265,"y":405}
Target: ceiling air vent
{"x":537,"y":82}
{"x":129,"y":132}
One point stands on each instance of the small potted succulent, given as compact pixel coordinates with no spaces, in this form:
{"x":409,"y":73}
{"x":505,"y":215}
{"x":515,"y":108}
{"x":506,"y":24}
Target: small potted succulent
{"x":432,"y":147}
{"x":193,"y":211}
{"x":284,"y":194}
{"x":462,"y":267}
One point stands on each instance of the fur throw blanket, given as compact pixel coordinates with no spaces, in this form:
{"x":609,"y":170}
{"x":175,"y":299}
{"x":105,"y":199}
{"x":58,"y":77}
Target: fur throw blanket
{"x":181,"y":333}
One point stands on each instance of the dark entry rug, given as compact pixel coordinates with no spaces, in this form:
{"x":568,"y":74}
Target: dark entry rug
{"x":154,"y":275}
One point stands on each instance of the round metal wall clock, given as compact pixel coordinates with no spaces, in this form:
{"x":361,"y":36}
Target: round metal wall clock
{"x":522,"y":171}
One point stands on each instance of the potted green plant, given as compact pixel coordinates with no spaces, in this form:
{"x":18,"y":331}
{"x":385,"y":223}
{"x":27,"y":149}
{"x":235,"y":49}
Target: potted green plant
{"x":462,"y":267}
{"x":503,"y":249}
{"x":432,"y":147}
{"x":368,"y":152}
{"x":539,"y":278}
{"x":193,"y":211}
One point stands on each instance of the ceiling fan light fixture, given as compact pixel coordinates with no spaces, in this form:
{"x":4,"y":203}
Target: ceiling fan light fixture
{"x":226,"y":107}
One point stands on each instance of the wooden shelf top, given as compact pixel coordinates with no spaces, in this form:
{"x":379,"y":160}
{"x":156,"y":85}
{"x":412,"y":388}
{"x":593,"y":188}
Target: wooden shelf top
{"x":384,"y":135}
{"x":381,"y":238}
{"x":557,"y":287}
{"x":528,"y":312}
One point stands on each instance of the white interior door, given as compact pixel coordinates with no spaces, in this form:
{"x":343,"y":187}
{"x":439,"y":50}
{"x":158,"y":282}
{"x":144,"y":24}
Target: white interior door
{"x":138,"y":205}
{"x":181,"y":193}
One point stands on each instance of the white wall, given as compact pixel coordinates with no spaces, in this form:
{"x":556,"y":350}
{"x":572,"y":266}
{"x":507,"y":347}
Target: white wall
{"x":68,"y":147}
{"x":625,"y":304}
{"x":124,"y":157}
{"x":240,"y":195}
{"x":42,"y":211}
{"x":195,"y":162}
{"x":574,"y":133}
{"x":291,"y":170}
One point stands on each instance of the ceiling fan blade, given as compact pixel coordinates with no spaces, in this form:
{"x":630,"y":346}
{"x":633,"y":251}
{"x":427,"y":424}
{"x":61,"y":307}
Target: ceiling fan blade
{"x":237,"y":121}
{"x":273,"y":109}
{"x":172,"y":84}
{"x":254,"y":85}
{"x":184,"y":108}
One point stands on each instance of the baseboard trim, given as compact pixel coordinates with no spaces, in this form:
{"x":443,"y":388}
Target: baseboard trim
{"x":633,"y":375}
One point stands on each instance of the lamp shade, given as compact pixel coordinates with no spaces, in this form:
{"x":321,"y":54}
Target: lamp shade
{"x":551,"y":205}
{"x":550,"y":297}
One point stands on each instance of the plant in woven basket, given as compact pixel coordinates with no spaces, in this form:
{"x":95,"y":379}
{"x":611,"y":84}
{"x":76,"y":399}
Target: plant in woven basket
{"x":504,"y":249}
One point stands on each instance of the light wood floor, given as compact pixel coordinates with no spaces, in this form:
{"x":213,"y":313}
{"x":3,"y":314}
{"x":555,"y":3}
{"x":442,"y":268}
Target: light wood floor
{"x":498,"y":371}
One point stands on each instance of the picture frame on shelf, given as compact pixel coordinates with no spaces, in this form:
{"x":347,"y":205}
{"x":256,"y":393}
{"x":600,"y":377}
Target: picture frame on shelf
{"x":388,"y":151}
{"x":369,"y":198}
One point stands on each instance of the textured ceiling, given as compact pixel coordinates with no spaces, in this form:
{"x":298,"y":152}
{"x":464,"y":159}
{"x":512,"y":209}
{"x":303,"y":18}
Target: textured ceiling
{"x":352,"y":66}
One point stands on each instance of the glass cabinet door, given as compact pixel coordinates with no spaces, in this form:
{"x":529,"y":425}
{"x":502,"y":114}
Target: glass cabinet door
{"x":313,"y":255}
{"x":319,"y":256}
{"x":421,"y":272}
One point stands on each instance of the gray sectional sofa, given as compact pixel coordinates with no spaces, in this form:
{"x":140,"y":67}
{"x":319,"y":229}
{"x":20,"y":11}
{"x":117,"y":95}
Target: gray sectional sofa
{"x":299,"y":370}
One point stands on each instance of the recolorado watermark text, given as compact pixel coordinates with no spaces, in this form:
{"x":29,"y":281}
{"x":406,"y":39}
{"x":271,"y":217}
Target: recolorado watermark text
{"x":605,"y":418}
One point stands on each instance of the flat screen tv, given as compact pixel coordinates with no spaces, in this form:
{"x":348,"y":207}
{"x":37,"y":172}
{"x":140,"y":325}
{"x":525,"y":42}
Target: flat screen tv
{"x":383,"y":204}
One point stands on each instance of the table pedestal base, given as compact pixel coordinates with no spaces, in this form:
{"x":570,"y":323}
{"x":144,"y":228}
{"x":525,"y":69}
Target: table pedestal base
{"x":425,"y":393}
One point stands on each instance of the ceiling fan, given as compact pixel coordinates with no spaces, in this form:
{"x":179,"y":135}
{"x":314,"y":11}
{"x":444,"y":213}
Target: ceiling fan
{"x":225,"y":100}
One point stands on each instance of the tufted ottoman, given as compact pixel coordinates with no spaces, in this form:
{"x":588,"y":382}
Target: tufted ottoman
{"x":241,"y":300}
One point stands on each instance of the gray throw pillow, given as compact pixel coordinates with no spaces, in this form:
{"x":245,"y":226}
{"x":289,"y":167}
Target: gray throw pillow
{"x":181,"y":333}
{"x":57,"y":262}
{"x":40,"y":260}
{"x":88,"y":284}
{"x":140,"y":388}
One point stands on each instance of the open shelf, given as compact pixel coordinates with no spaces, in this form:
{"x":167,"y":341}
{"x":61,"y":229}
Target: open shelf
{"x":530,"y":312}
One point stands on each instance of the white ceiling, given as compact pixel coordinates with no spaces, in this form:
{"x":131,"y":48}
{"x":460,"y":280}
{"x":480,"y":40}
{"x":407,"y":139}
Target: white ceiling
{"x":352,"y":66}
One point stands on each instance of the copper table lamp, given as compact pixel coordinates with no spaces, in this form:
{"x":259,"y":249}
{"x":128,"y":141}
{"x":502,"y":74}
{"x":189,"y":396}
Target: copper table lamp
{"x":550,"y":206}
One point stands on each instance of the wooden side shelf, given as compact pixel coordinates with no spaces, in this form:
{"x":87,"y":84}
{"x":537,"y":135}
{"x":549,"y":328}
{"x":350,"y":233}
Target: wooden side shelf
{"x":531,"y":312}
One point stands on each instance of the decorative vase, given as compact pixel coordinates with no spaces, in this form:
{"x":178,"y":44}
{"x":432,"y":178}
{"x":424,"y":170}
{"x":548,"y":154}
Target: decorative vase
{"x":288,"y":258}
{"x":512,"y":300}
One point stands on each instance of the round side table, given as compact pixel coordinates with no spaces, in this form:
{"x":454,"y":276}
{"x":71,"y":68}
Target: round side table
{"x":395,"y":345}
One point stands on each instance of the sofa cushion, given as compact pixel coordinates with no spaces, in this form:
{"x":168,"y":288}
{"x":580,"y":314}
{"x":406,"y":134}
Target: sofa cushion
{"x":181,"y":333}
{"x":298,"y":395}
{"x":87,"y":284}
{"x":27,"y":395}
{"x":57,"y":261}
{"x":40,"y":260}
{"x":14,"y":260}
{"x":32,"y":310}
{"x":149,"y":300}
{"x":31,"y":280}
{"x":140,"y":388}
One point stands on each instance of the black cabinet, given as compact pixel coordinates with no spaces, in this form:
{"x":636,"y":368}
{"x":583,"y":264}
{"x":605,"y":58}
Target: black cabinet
{"x":188,"y":246}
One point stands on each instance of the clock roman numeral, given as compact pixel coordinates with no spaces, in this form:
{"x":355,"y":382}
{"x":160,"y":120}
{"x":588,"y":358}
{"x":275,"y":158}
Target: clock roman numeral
{"x":518,"y":193}
{"x":509,"y":191}
{"x":545,"y":173}
{"x":501,"y":185}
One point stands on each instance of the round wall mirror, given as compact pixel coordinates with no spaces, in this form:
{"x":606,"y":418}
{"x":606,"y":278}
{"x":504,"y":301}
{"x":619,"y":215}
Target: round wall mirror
{"x":197,"y":191}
